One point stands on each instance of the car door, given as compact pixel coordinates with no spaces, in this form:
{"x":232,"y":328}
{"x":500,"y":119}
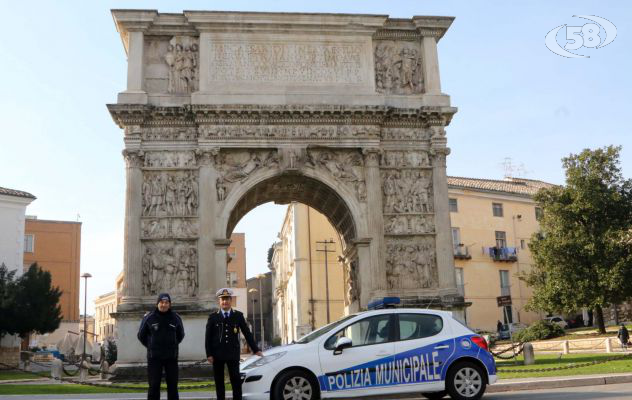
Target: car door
{"x":424,"y":344}
{"x":352,"y":372}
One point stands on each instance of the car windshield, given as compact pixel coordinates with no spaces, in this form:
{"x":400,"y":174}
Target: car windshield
{"x":321,"y":331}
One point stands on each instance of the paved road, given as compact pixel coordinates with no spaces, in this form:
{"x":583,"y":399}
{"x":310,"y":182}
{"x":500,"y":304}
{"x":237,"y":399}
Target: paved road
{"x":602,"y":392}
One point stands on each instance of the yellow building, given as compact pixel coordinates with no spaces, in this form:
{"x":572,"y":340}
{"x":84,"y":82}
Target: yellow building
{"x":301,"y":282}
{"x":492,"y":223}
{"x":104,"y":324}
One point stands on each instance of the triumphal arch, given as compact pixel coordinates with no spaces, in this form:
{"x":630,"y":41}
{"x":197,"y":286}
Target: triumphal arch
{"x":224,"y":111}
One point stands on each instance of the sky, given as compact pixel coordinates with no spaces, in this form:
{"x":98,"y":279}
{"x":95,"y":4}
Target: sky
{"x":62,"y":62}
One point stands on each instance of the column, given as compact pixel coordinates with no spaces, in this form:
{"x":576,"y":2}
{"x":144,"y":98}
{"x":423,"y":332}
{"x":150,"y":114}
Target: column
{"x":132,"y":284}
{"x":430,"y":59}
{"x":207,"y":216}
{"x":445,"y":255}
{"x":375,"y":219}
{"x":134,"y":93}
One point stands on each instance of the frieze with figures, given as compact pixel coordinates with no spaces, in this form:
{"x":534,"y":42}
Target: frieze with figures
{"x":169,"y":266}
{"x":170,"y":193}
{"x":411,"y":263}
{"x":407,"y":191}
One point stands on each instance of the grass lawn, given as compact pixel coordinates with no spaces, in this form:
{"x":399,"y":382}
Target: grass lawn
{"x":551,"y":361}
{"x":9,"y":375}
{"x":64,"y":388}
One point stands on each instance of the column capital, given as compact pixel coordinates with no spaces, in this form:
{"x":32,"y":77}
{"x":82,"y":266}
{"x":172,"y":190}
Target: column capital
{"x":372,"y":156}
{"x":222,"y":243}
{"x":207,"y":156}
{"x":134,"y":158}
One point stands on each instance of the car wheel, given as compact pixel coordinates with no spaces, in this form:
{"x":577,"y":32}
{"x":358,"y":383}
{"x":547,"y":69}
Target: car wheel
{"x":465,"y":381}
{"x":295,"y":385}
{"x":435,"y":395}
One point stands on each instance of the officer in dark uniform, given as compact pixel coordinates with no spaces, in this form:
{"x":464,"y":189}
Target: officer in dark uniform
{"x":222,"y":343}
{"x":161,"y":331}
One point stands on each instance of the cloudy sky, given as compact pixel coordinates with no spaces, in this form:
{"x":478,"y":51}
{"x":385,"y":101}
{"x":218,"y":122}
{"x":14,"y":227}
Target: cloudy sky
{"x":63,"y":61}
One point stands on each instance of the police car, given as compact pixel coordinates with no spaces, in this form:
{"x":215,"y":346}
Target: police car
{"x":376,"y":353}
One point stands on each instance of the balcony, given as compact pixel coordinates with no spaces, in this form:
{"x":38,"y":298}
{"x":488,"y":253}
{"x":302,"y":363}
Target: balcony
{"x":461,"y":252}
{"x":506,"y":254}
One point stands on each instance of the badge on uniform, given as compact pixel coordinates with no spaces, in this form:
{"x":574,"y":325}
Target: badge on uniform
{"x":235,"y":330}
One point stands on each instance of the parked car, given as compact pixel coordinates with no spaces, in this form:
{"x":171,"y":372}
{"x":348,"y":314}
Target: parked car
{"x":374,"y":354}
{"x":559,"y":320}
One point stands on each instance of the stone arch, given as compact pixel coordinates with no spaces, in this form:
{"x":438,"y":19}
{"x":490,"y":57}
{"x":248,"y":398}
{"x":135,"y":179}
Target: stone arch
{"x":312,"y":188}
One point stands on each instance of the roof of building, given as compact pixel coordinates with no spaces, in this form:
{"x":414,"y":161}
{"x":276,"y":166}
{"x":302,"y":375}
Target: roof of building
{"x":519,"y":186}
{"x":16,"y":193}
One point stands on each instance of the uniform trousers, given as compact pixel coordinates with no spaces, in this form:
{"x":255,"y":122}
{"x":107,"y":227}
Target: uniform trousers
{"x":233,"y":373}
{"x":154,"y":375}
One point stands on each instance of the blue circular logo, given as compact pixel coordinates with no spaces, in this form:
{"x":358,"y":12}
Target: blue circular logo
{"x":466,"y":344}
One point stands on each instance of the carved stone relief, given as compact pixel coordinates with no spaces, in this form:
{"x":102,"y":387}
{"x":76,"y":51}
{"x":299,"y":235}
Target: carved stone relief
{"x":169,"y":133}
{"x":289,"y":131}
{"x":407,"y":191}
{"x":405,"y":134}
{"x":398,"y":67}
{"x":235,"y":166}
{"x":411,"y":263}
{"x":350,"y":276}
{"x":182,"y":59}
{"x":160,"y":228}
{"x":170,"y":193}
{"x":170,"y":266}
{"x":409,"y":224}
{"x":170,"y":159}
{"x":347,"y":166}
{"x":404,"y":159}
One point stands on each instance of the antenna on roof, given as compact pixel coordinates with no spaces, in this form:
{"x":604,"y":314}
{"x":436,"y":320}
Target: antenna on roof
{"x":513,"y":171}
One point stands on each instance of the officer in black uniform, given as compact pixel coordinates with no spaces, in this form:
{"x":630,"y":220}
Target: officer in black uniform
{"x":161,"y":331}
{"x":222,"y":343}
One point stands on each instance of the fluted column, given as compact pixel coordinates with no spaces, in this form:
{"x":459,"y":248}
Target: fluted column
{"x":132,"y":267}
{"x":375,"y":219}
{"x":445,"y":255}
{"x":207,"y":267}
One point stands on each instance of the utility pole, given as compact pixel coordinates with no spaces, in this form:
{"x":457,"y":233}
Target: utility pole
{"x":327,"y":251}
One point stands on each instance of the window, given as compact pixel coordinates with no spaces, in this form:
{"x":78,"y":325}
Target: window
{"x":522,"y":244}
{"x":372,"y":330}
{"x":497,"y":209}
{"x":456,"y":238}
{"x":504,"y":283}
{"x":538,"y":213}
{"x":454,"y":206}
{"x":417,"y":326}
{"x":501,"y":239}
{"x":28,"y":243}
{"x":232,"y":253}
{"x":460,"y":282}
{"x":231,"y":279}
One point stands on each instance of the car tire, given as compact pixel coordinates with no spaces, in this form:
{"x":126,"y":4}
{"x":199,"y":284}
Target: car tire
{"x":296,"y":381}
{"x":465,"y":381}
{"x":435,"y":395}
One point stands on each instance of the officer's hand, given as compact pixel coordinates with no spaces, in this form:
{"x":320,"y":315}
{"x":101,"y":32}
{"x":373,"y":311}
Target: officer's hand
{"x":260,"y":354}
{"x":210,"y":359}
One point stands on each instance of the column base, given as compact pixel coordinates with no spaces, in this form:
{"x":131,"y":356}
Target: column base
{"x":129,"y":372}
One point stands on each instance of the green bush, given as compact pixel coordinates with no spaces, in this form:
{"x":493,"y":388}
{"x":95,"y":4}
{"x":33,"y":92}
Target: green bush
{"x":539,"y":331}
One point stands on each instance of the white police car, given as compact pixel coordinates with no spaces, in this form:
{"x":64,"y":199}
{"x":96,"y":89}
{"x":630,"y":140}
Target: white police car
{"x":376,"y":353}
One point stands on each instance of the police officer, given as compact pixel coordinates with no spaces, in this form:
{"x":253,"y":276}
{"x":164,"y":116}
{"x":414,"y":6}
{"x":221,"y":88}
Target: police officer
{"x":161,"y":331}
{"x":222,"y":343}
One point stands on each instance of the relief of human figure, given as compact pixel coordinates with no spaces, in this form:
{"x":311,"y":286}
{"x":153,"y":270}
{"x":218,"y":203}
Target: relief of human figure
{"x":157,"y":193}
{"x":192,"y":268}
{"x":146,"y":190}
{"x":147,"y":267}
{"x":191,"y":195}
{"x":170,"y":196}
{"x":170,"y":59}
{"x":170,"y":268}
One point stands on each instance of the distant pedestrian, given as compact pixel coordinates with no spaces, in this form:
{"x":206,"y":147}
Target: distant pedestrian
{"x":161,"y":331}
{"x":499,"y":326}
{"x":222,"y":343}
{"x":624,"y":337}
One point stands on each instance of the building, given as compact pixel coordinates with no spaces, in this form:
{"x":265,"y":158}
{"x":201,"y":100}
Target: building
{"x":236,"y":271}
{"x":104,"y":324}
{"x":55,"y":247}
{"x":492,"y":223}
{"x":260,"y":307}
{"x":13,"y":205}
{"x":308,"y":291}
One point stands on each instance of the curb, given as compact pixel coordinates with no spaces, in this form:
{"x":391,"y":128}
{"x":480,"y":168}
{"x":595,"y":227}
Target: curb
{"x":553,"y":383}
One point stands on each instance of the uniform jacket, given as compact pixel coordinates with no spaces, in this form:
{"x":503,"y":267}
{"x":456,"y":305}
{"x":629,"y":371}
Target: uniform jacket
{"x":222,"y":335}
{"x":161,"y":333}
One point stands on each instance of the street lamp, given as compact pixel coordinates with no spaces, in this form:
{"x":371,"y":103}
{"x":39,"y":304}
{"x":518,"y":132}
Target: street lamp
{"x":85,"y":316}
{"x":254,"y":321}
{"x":259,"y":278}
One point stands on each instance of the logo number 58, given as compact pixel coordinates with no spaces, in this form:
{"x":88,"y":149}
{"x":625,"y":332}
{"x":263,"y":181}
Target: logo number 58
{"x":589,"y":36}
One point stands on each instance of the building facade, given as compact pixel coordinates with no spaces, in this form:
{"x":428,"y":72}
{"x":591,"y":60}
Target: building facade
{"x":13,"y":205}
{"x":104,"y":324}
{"x":492,"y":223}
{"x":236,"y":271}
{"x":308,"y":291}
{"x":55,"y":247}
{"x":260,"y":314}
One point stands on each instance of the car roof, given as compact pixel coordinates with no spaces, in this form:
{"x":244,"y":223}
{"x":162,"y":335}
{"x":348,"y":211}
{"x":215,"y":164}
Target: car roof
{"x":445,"y":314}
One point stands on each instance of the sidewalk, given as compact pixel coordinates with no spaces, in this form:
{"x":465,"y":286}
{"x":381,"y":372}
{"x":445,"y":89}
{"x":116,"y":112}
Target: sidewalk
{"x":503,"y":385}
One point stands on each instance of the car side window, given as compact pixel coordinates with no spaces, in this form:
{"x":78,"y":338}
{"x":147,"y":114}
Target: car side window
{"x":372,"y":330}
{"x":417,"y":326}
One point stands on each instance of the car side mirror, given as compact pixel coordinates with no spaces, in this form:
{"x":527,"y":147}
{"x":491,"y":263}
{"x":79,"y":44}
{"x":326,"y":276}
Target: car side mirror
{"x":341,"y":344}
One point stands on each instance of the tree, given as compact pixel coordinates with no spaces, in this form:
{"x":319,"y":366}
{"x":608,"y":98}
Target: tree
{"x":7,"y":303}
{"x":36,"y":302}
{"x":580,"y":257}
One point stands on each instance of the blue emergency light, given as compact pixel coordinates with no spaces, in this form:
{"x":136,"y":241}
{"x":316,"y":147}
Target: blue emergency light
{"x":386,"y":302}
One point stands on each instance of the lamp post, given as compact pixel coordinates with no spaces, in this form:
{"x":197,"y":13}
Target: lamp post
{"x":254,"y":321}
{"x":85,"y":316}
{"x":259,"y":278}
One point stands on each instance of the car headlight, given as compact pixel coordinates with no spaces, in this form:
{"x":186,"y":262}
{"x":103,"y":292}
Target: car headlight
{"x":265,"y":360}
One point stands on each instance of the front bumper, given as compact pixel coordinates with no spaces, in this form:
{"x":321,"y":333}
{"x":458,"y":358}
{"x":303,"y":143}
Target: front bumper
{"x":492,"y":379}
{"x":258,"y":389}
